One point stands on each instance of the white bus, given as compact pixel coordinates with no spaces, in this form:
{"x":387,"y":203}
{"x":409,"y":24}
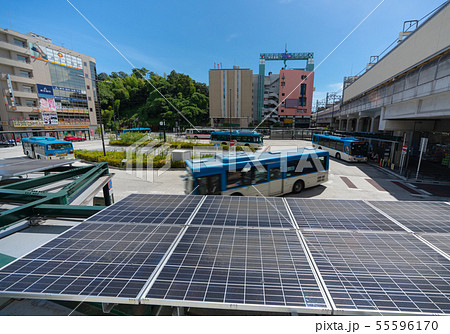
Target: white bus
{"x":199,"y":133}
{"x":264,"y":174}
{"x":345,"y":148}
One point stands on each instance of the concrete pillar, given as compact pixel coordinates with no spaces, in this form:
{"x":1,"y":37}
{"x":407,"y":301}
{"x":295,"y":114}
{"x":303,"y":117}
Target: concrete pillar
{"x":347,"y":126}
{"x":372,"y":121}
{"x":357,"y":124}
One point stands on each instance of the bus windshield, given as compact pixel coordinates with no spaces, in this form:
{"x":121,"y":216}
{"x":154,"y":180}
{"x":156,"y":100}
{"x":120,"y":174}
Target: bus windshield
{"x":59,"y":146}
{"x":359,"y":149}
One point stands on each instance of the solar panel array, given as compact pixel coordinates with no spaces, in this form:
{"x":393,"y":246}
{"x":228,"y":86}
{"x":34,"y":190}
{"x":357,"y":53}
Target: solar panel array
{"x":266,"y":254}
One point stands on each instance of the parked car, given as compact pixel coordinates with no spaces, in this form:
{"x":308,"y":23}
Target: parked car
{"x":6,"y":143}
{"x":74,"y":138}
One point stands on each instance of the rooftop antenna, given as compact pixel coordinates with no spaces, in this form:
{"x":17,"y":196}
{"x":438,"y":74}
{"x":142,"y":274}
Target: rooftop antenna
{"x":10,"y":23}
{"x":285,"y":51}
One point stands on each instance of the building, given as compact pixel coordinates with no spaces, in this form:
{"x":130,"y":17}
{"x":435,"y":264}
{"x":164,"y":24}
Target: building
{"x":287,"y":98}
{"x":406,"y":94}
{"x":45,"y":86}
{"x":230,"y":90}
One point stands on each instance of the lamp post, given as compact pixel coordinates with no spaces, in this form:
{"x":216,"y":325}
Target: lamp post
{"x":229,"y":116}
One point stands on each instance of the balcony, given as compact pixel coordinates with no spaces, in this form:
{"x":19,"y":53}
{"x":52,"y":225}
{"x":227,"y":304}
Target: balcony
{"x":17,"y":78}
{"x":13,"y":47}
{"x":15,"y":63}
{"x":26,"y":95}
{"x":23,"y":109}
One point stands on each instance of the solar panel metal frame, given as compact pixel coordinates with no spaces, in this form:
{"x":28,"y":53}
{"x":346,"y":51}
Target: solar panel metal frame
{"x":242,"y":306}
{"x":344,"y":311}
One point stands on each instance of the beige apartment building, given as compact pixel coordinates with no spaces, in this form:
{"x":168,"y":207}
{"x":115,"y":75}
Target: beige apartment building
{"x":45,"y":86}
{"x":230,"y":91}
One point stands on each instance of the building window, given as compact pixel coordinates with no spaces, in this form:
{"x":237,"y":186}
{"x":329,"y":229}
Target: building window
{"x":27,"y":89}
{"x":304,"y":77}
{"x":19,"y":43}
{"x":30,"y":103}
{"x":22,"y":59}
{"x":282,"y":94}
{"x":90,"y":109}
{"x":282,"y":110}
{"x":303,"y":89}
{"x":85,"y":64}
{"x":283,"y":83}
{"x":25,"y":74}
{"x":89,"y":98}
{"x":87,"y":87}
{"x":86,"y":75}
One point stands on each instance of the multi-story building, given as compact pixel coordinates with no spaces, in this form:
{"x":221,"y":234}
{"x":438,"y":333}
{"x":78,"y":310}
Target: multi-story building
{"x":287,"y":97}
{"x":45,"y":86}
{"x":230,"y":97}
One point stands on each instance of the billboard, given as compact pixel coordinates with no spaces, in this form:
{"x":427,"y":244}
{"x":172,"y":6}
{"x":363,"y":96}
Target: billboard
{"x":47,"y":104}
{"x":44,"y":90}
{"x":53,"y":56}
{"x":50,"y":118}
{"x":11,"y":93}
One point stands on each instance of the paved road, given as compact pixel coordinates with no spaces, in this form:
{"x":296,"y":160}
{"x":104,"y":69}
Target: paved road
{"x":346,"y":180}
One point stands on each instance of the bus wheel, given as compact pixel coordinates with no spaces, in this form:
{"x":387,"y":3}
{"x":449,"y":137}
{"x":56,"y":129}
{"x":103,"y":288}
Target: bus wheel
{"x":320,"y":148}
{"x":298,"y":187}
{"x":224,"y":143}
{"x":247,"y":145}
{"x":236,"y":194}
{"x":338,"y":156}
{"x":195,"y":137}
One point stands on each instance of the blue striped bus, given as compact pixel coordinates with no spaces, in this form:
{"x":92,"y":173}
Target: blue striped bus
{"x":264,"y":174}
{"x":241,"y":138}
{"x":47,"y":148}
{"x":345,"y":148}
{"x":143,"y":130}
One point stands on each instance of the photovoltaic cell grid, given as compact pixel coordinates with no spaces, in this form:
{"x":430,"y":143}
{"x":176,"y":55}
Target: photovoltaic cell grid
{"x":430,"y":217}
{"x":441,"y":241}
{"x":149,"y":209}
{"x":243,"y":212}
{"x":339,"y":215}
{"x":379,"y":272}
{"x":221,"y":265}
{"x":91,"y":261}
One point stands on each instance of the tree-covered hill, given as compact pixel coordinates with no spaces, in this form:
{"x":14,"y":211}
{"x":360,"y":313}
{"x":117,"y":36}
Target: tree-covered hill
{"x":135,"y":100}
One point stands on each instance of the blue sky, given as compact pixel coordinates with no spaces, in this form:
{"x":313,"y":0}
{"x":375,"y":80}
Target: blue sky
{"x":190,"y":36}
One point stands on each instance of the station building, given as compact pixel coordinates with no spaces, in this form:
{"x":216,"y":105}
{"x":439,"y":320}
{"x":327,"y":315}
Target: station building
{"x":45,"y":86}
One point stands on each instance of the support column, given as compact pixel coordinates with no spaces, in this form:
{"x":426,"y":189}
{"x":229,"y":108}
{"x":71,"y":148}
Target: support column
{"x":357,"y":124}
{"x":347,"y":126}
{"x":372,"y":121}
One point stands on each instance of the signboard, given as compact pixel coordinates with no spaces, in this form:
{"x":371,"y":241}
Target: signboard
{"x":232,"y":142}
{"x":11,"y":93}
{"x":53,"y":56}
{"x":404,"y":148}
{"x":288,"y":121}
{"x":46,"y":104}
{"x":50,"y":118}
{"x":44,"y":90}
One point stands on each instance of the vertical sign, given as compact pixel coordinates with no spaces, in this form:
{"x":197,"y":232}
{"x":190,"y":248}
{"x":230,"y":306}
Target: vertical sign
{"x":11,"y":93}
{"x":423,"y":147}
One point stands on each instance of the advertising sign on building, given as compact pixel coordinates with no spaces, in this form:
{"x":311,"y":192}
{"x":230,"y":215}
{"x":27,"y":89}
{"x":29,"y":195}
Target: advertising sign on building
{"x":45,"y":90}
{"x":11,"y":93}
{"x":50,"y":118}
{"x":57,"y":57}
{"x":46,"y":104}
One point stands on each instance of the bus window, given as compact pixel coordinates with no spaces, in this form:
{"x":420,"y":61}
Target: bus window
{"x":260,"y":174}
{"x":275,"y":173}
{"x":209,"y":185}
{"x":340,"y":146}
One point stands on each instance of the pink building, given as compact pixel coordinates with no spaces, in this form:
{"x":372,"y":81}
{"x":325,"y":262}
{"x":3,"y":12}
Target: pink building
{"x":295,"y":95}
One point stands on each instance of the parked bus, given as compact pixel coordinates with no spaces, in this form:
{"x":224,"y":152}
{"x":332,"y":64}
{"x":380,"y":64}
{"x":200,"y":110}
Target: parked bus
{"x":242,"y":138}
{"x":199,"y":133}
{"x":345,"y":148}
{"x":47,"y":148}
{"x":143,"y":130}
{"x":264,"y":174}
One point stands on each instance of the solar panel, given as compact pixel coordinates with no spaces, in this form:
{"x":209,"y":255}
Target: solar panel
{"x":149,"y":209}
{"x":430,"y":217}
{"x":249,"y":268}
{"x":441,"y":241}
{"x":243,"y":212}
{"x":339,"y":214}
{"x":381,"y":272}
{"x":98,"y":262}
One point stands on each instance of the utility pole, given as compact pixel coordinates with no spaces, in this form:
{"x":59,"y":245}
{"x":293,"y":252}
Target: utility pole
{"x":229,"y":116}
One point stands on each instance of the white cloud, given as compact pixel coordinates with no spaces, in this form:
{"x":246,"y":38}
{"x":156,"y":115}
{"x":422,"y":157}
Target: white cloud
{"x":232,"y":36}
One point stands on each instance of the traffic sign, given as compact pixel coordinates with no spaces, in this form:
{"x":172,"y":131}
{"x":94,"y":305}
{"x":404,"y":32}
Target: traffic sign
{"x":232,"y":142}
{"x":404,"y":148}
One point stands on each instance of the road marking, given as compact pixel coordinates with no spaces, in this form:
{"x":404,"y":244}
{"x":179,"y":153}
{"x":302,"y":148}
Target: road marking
{"x":375,"y":184}
{"x":349,"y":183}
{"x":401,"y":185}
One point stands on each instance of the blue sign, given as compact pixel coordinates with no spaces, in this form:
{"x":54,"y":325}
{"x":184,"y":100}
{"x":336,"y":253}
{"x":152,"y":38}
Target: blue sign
{"x":44,"y":90}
